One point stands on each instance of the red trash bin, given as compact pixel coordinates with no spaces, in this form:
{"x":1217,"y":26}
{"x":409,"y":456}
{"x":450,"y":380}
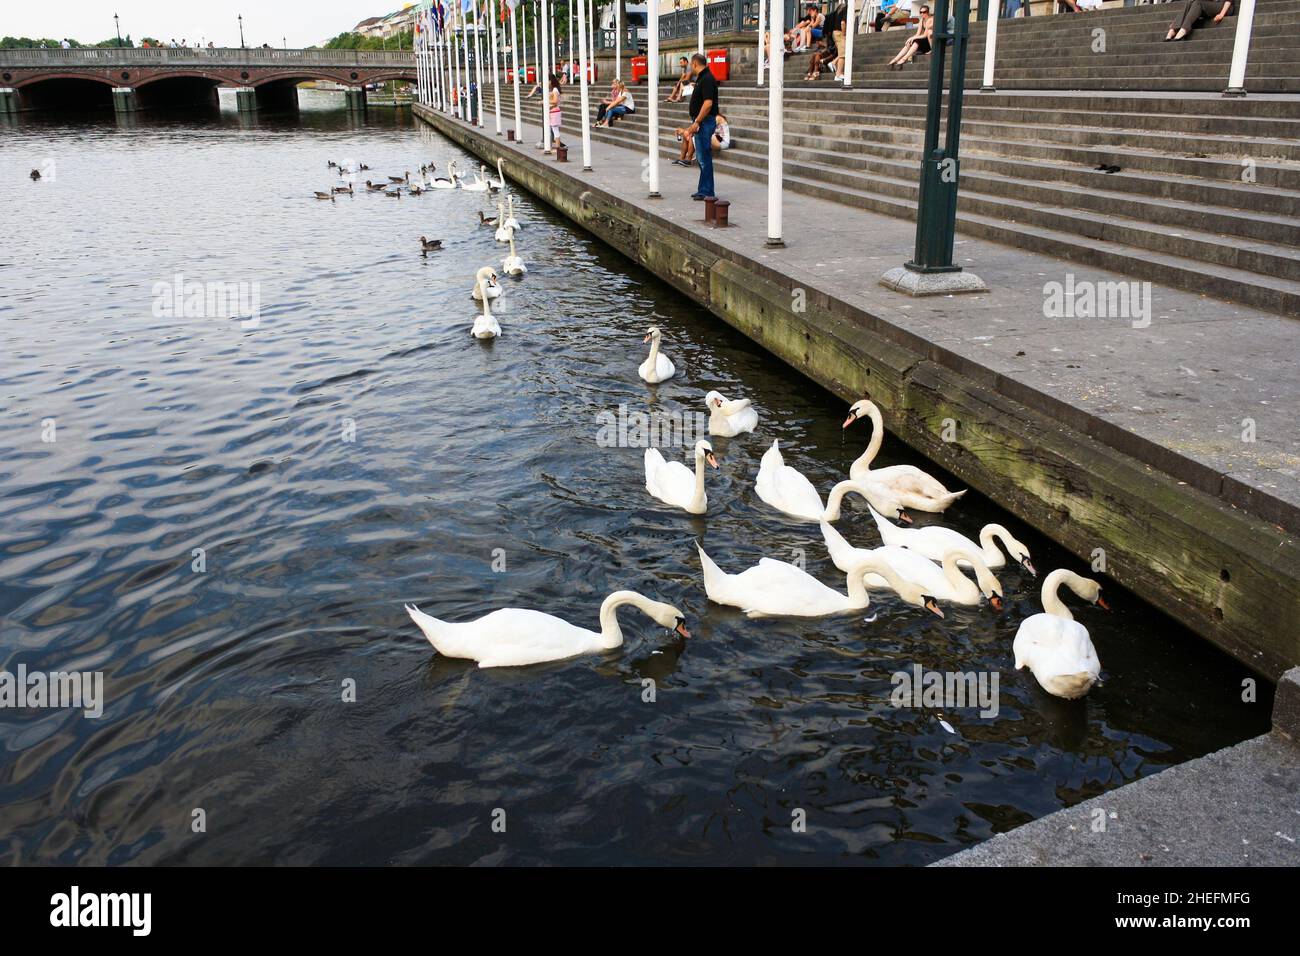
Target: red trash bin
{"x":639,"y":71}
{"x":531,"y":75}
{"x":718,"y":65}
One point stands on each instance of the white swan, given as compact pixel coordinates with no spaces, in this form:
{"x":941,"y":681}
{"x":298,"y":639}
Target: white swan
{"x":511,"y":222}
{"x":778,"y":589}
{"x":500,"y":181}
{"x":504,"y":232}
{"x":878,"y":497}
{"x":485,"y":325}
{"x":479,"y":185}
{"x":914,"y":487}
{"x":658,"y":367}
{"x":675,"y":484}
{"x":728,"y":419}
{"x":513,"y":265}
{"x":486,"y":278}
{"x":786,"y":489}
{"x":450,"y":182}
{"x":1056,"y":647}
{"x":946,"y":583}
{"x":512,"y":636}
{"x":933,"y":542}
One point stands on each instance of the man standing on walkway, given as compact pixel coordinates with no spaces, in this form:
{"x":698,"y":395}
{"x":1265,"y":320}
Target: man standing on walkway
{"x":704,"y":112}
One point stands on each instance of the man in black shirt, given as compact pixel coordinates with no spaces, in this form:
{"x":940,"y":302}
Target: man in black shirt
{"x":704,"y":113}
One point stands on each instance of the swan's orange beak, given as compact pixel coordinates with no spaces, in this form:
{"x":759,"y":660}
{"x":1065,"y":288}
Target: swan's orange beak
{"x":646,"y":339}
{"x":681,"y":629}
{"x":1028,"y":566}
{"x":904,"y":517}
{"x":995,"y":602}
{"x":1101,"y":603}
{"x":711,"y":459}
{"x":850,"y":420}
{"x":933,"y":606}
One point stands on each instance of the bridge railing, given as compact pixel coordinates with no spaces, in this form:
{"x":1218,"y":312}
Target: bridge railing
{"x":167,"y":56}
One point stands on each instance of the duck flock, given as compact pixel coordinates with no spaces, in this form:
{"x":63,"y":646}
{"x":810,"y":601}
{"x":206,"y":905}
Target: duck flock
{"x":926,"y":567}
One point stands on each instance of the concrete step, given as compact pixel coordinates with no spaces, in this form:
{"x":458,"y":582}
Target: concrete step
{"x":1229,"y":283}
{"x":1266,"y":245}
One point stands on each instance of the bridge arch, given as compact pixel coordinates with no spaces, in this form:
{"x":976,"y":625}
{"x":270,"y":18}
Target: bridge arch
{"x":75,"y":91}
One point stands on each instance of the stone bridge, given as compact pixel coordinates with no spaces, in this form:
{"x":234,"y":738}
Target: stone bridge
{"x":132,"y":78}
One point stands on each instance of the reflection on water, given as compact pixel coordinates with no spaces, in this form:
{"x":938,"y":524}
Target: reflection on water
{"x":356,"y":450}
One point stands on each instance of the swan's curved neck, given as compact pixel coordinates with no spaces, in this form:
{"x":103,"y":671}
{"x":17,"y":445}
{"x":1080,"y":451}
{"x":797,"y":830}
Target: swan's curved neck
{"x":654,"y":350}
{"x":511,"y":237}
{"x":988,"y":541}
{"x":1052,"y":603}
{"x":610,"y":633}
{"x":698,"y":500}
{"x":858,"y":587}
{"x":960,"y":583}
{"x":873,"y":446}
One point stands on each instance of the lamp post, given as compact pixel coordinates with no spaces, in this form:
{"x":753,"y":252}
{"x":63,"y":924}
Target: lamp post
{"x":117,"y":26}
{"x":240,"y":18}
{"x":931,"y":271}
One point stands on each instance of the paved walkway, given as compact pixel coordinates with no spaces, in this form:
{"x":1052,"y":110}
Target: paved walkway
{"x":1179,"y":393}
{"x":1237,"y":807}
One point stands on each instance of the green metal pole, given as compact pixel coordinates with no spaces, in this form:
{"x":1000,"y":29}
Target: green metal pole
{"x":936,"y":213}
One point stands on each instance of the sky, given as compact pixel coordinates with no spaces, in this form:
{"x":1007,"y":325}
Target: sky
{"x":301,"y":22}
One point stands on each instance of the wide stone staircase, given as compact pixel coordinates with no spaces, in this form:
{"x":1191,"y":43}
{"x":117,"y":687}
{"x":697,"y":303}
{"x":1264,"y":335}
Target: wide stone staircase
{"x":1119,"y":48}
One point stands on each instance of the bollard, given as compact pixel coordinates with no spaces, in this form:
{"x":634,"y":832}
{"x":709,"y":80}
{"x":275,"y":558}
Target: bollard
{"x":720,"y":213}
{"x":710,"y":209}
{"x":561,"y":154}
{"x":510,"y":136}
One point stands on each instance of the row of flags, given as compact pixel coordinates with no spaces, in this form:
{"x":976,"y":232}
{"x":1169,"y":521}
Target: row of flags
{"x":432,"y":15}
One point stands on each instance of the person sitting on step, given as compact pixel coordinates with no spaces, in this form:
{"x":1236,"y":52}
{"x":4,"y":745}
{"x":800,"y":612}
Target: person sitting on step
{"x":679,"y":88}
{"x":918,"y":44}
{"x":832,"y":51}
{"x":813,"y":29}
{"x":608,"y":101}
{"x":721,"y":140}
{"x":1192,"y":13}
{"x":621,"y":106}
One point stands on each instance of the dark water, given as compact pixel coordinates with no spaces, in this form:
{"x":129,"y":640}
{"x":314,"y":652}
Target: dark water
{"x":225,"y":686}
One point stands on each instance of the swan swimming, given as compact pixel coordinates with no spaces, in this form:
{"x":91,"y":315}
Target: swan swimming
{"x":934,"y":541}
{"x":1054,"y":646}
{"x":910,"y":484}
{"x":675,"y":484}
{"x":512,"y":264}
{"x":485,"y":325}
{"x":779,"y":589}
{"x":486,"y":279}
{"x":785,"y":488}
{"x":513,"y":637}
{"x":730,"y":418}
{"x":658,"y":367}
{"x":947,"y":583}
{"x":878,"y":497}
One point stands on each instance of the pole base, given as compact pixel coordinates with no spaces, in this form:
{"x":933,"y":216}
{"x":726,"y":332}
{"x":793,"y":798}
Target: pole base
{"x":655,"y":195}
{"x":774,"y":243}
{"x":988,"y":89}
{"x":911,"y":282}
{"x":586,"y":169}
{"x":1235,"y":91}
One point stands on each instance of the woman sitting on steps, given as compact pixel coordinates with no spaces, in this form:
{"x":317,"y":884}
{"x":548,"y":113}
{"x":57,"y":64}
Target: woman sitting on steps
{"x":918,"y":44}
{"x":1193,"y":12}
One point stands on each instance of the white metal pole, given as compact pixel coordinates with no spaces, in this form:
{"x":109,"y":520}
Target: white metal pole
{"x":991,"y":43}
{"x":464,"y":45}
{"x":618,"y":38}
{"x":591,"y":33}
{"x":762,"y":35}
{"x":652,"y":94}
{"x":850,"y":28}
{"x":496,"y":73}
{"x":548,"y":31}
{"x":514,"y":70}
{"x":478,"y":67}
{"x":1241,"y":49}
{"x":700,"y":41}
{"x":568,"y":44}
{"x":455,"y":58}
{"x":582,"y":67}
{"x":539,"y":68}
{"x":775,"y":130}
